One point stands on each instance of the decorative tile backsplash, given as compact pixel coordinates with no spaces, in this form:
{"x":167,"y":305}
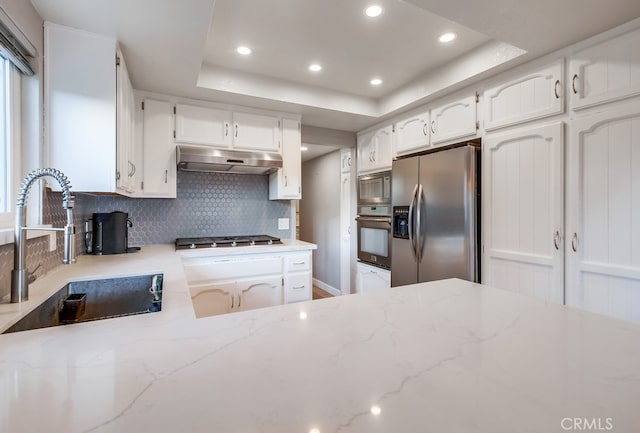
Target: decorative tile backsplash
{"x":207,"y":204}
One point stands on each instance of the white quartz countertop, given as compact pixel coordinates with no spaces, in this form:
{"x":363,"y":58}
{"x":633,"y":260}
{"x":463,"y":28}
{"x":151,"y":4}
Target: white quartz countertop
{"x":447,"y":356}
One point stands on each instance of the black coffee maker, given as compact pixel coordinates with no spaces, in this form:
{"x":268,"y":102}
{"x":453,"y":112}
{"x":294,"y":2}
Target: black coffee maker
{"x":108,"y":233}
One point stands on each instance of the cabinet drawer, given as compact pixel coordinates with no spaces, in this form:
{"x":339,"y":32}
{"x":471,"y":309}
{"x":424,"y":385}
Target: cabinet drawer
{"x":300,"y":262}
{"x":199,"y":271}
{"x":297,"y":287}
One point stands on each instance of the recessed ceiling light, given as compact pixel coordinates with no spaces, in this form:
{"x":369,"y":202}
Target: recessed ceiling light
{"x":447,"y":37}
{"x":373,"y":11}
{"x":376,"y":82}
{"x":315,"y":67}
{"x":245,"y":51}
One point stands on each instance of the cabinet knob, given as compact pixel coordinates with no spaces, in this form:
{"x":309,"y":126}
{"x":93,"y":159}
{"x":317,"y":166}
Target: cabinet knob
{"x":573,"y":83}
{"x":574,"y":243}
{"x":555,"y":89}
{"x":433,"y":126}
{"x":556,"y":239}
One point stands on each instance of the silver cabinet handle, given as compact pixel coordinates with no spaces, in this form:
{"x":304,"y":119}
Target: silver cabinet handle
{"x":233,"y":301}
{"x":166,"y":174}
{"x":555,"y":89}
{"x":239,"y":301}
{"x":556,"y":239}
{"x":299,"y":263}
{"x":299,"y":287}
{"x":285,"y":181}
{"x":433,"y":126}
{"x":573,"y":83}
{"x":226,"y":129}
{"x":236,"y":129}
{"x":424,"y":129}
{"x":574,"y":243}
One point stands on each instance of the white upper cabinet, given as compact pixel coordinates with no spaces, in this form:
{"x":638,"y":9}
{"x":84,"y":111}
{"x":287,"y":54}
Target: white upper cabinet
{"x":81,"y":109}
{"x":606,"y":72}
{"x":203,"y":125}
{"x":375,"y":150}
{"x":603,"y":204}
{"x":159,"y":156}
{"x":453,"y":120}
{"x":533,"y":96}
{"x":286,"y":183}
{"x":218,"y":127}
{"x":522,"y":221}
{"x":256,"y":132}
{"x":411,"y":134}
{"x":126,"y":164}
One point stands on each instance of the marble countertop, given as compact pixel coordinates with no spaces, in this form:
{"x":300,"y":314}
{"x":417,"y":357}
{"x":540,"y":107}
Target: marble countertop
{"x":447,"y":356}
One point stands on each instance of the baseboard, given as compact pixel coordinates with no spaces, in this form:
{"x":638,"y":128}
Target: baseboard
{"x":327,"y":288}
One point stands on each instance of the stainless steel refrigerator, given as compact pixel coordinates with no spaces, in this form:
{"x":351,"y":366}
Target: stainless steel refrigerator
{"x":435,"y":198}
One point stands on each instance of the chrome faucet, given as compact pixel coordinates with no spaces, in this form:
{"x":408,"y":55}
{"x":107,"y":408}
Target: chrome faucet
{"x":20,"y":275}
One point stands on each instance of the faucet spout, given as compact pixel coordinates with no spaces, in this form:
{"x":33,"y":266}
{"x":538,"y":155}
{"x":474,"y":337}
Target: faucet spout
{"x":19,"y":275}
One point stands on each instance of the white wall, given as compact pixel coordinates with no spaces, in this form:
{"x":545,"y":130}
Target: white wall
{"x":320,"y":215}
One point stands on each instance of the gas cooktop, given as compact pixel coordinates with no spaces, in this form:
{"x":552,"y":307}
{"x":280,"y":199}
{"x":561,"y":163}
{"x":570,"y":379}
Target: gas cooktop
{"x":225,"y":241}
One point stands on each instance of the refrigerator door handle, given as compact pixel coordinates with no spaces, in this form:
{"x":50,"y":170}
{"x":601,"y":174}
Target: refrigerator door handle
{"x":411,"y":228}
{"x":418,"y":218}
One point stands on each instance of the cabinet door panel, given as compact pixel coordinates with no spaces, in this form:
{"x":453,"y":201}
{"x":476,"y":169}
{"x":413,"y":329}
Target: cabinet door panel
{"x":523,"y":211}
{"x":606,"y":72}
{"x":530,"y":97}
{"x":203,"y":125}
{"x":256,"y":132}
{"x":259,"y":292}
{"x":453,"y":120}
{"x":286,"y":183}
{"x":370,"y":278}
{"x":411,"y":134}
{"x":603,"y":233}
{"x":159,"y":158}
{"x":365,"y":152}
{"x":212,"y":299}
{"x":383,"y":149}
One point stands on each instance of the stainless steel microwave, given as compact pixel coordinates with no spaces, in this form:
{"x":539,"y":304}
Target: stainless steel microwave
{"x":374,"y":188}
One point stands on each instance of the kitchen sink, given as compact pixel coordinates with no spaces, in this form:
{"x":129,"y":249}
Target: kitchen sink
{"x":83,"y":301}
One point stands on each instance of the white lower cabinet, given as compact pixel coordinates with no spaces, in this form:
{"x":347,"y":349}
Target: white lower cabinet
{"x":523,"y":211}
{"x":603,"y":204}
{"x":371,"y":278}
{"x":255,"y":293}
{"x":220,"y":285}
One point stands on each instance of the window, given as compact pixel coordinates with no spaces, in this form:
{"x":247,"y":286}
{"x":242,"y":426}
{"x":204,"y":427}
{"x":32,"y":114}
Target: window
{"x":8,"y":151}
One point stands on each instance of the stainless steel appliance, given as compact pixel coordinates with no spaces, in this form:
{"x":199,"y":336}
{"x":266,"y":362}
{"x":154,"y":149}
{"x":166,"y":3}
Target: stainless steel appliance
{"x":108,"y":233}
{"x":374,"y":219}
{"x":435,"y":199}
{"x":374,"y":238}
{"x":208,"y":159}
{"x":225,"y":241}
{"x":374,"y":189}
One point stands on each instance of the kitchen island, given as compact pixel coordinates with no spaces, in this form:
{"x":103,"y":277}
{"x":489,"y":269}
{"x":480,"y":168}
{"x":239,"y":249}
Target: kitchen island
{"x":447,"y":356}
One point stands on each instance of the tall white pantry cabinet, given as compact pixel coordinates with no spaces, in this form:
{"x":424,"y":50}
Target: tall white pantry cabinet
{"x":561,"y":185}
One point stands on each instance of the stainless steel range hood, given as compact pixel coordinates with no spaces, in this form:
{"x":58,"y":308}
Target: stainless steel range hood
{"x":207,"y":159}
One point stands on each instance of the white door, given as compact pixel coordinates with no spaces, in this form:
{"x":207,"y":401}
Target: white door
{"x":370,"y":278}
{"x":159,"y":157}
{"x":258,"y":292}
{"x":535,"y":95}
{"x":606,"y":72}
{"x":603,"y":213}
{"x":523,"y":211}
{"x":256,"y":132}
{"x":383,"y":149}
{"x":291,"y":160}
{"x":345,"y":233}
{"x":411,"y":134}
{"x":453,"y":120}
{"x":212,"y":299}
{"x":203,"y":125}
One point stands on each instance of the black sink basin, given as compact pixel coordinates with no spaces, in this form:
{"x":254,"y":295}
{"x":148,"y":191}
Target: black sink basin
{"x":83,"y":301}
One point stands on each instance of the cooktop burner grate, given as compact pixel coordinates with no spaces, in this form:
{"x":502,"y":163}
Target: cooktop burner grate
{"x":225,"y":241}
